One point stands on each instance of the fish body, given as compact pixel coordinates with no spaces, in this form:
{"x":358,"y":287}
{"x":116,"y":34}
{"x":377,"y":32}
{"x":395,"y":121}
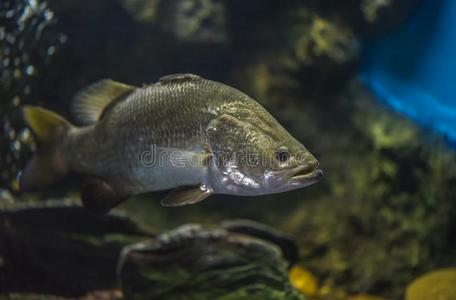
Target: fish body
{"x":184,"y":132}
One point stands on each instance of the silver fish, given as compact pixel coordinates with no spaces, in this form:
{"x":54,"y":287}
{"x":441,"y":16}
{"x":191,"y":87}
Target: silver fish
{"x":196,"y":136}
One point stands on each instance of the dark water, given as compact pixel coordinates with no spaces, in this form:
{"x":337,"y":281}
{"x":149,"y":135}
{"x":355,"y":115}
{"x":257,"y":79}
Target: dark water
{"x":382,"y":216}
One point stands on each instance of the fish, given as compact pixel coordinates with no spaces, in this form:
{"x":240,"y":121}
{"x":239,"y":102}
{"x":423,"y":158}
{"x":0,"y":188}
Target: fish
{"x":184,"y":133}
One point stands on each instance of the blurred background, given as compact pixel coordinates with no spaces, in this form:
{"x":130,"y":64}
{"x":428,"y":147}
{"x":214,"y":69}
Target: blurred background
{"x":366,"y":85}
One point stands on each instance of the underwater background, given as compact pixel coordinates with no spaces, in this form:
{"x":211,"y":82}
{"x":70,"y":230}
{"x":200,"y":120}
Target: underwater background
{"x":366,"y":85}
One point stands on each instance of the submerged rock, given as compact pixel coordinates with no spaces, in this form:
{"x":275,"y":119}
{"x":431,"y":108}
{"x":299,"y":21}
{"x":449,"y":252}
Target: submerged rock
{"x":384,"y":14}
{"x":62,"y":250}
{"x":318,"y":40}
{"x":196,"y":20}
{"x":255,"y":229}
{"x":187,"y":20}
{"x":367,"y":16}
{"x":94,"y":295}
{"x":15,"y":296}
{"x":142,"y":10}
{"x":196,"y":262}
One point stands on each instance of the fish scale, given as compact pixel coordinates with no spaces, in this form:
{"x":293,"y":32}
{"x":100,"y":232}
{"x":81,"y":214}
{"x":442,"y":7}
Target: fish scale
{"x":138,"y":140}
{"x":150,"y":112}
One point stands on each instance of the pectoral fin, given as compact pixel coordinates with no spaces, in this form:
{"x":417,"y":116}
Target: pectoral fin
{"x":99,"y":196}
{"x":186,"y":195}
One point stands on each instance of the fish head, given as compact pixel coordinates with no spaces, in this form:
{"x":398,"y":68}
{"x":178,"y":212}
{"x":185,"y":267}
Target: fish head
{"x":257,"y":157}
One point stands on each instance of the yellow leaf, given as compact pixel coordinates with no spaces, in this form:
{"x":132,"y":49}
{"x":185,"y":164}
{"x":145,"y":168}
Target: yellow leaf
{"x":304,"y":281}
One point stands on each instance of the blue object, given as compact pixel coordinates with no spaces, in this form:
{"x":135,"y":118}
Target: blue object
{"x":414,"y":68}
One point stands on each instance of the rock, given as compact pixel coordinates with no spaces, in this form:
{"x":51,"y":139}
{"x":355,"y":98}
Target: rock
{"x":195,"y":20}
{"x":62,"y":250}
{"x":195,"y":262}
{"x":248,"y":227}
{"x":319,"y":40}
{"x":95,"y":295}
{"x":142,"y":10}
{"x":367,"y":16}
{"x":316,"y":51}
{"x":14,"y":296}
{"x":380,"y":15}
{"x":438,"y":284}
{"x":186,"y":20}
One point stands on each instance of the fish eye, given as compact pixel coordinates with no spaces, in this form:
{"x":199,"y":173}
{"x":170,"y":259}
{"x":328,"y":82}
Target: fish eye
{"x":282,"y":155}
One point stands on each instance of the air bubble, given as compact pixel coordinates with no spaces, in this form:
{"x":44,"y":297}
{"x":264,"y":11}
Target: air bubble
{"x":17,"y":74}
{"x":63,"y":39}
{"x":48,"y":15}
{"x":16,"y":101}
{"x":11,"y":39}
{"x":15,"y":146}
{"x":9,"y":14}
{"x":30,"y":70}
{"x":51,"y":50}
{"x":11,"y":134}
{"x":25,"y":136}
{"x":33,"y":4}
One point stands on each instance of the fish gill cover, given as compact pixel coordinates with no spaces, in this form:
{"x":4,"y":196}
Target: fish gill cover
{"x":414,"y":69}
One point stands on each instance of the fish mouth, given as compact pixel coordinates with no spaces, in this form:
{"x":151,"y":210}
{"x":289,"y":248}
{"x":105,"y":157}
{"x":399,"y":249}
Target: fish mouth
{"x":307,"y":176}
{"x":300,"y":176}
{"x":304,"y":175}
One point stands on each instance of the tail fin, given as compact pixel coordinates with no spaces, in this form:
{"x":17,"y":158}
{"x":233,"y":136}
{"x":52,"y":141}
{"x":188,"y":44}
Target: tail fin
{"x":48,"y":165}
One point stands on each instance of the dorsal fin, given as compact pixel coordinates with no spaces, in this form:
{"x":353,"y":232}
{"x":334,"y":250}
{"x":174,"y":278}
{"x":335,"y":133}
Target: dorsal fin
{"x":174,"y":78}
{"x":90,"y":103}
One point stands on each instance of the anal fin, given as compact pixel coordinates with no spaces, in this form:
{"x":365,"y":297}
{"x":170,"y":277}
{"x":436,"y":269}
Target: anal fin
{"x":186,"y":195}
{"x":99,"y":196}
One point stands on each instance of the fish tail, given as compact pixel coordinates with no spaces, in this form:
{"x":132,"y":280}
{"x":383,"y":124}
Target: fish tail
{"x":48,"y":164}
